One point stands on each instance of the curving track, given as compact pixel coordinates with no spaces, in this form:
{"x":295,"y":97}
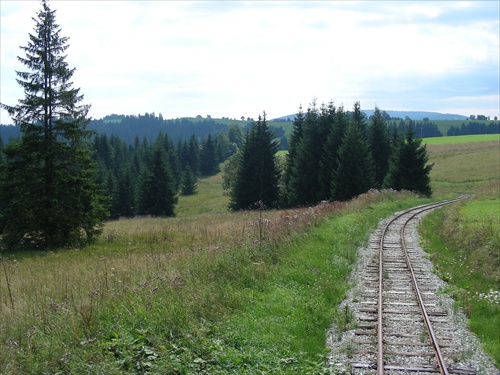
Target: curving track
{"x":402,"y":329}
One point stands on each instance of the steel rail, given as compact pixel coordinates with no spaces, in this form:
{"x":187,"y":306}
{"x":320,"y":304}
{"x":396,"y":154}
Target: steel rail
{"x":380,"y":335}
{"x":432,"y":337}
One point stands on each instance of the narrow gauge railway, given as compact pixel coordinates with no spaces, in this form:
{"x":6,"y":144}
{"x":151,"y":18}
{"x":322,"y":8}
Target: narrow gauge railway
{"x":402,"y":329}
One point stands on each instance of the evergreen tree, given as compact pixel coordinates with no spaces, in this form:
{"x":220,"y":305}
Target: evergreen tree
{"x":380,"y":146}
{"x":354,"y":172}
{"x":157,"y":193}
{"x":306,"y":177}
{"x":49,"y":193}
{"x":209,"y":164}
{"x":290,"y":196}
{"x":173,"y":161}
{"x":409,"y":168}
{"x":194,"y":155}
{"x":125,"y":199}
{"x":358,"y":117}
{"x":335,"y":123}
{"x":188,"y":186}
{"x":257,"y":175}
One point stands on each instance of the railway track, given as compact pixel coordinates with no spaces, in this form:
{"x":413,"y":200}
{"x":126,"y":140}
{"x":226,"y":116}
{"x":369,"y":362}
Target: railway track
{"x":401,"y":326}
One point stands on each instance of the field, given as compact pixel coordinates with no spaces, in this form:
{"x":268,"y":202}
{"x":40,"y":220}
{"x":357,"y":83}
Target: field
{"x":462,"y":139}
{"x":228,"y":293}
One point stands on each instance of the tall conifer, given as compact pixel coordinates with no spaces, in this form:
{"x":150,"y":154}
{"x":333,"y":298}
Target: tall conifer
{"x":354,"y":172}
{"x":290,"y":195}
{"x":49,"y":194}
{"x":257,"y":176}
{"x":380,"y":146}
{"x":157,"y":194}
{"x":409,"y":168}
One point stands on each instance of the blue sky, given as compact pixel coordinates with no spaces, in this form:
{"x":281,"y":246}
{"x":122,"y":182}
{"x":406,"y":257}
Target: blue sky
{"x":236,"y":59}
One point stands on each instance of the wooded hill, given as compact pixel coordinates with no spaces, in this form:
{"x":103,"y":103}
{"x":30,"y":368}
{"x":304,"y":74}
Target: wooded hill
{"x":148,"y":126}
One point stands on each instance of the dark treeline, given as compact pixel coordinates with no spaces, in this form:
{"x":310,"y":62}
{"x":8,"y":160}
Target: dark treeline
{"x":474,"y":127}
{"x":147,"y":126}
{"x":144,"y":178}
{"x":421,"y":129}
{"x":333,"y":155}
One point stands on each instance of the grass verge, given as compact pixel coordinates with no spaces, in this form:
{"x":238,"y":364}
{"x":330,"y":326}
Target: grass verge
{"x":464,"y":244}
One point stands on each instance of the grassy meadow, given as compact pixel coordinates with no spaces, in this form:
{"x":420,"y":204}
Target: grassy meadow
{"x":214,"y":292}
{"x":464,"y":240}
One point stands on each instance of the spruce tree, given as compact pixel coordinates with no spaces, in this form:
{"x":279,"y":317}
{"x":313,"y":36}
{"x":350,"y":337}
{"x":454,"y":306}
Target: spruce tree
{"x":358,"y":117}
{"x":188,"y":185}
{"x":257,"y":176}
{"x":49,"y":196}
{"x":305,"y":178}
{"x":290,"y":195}
{"x":194,"y":155}
{"x":380,"y":146}
{"x":337,"y":121}
{"x":157,"y":192}
{"x":409,"y":168}
{"x":209,"y":164}
{"x":125,"y":205}
{"x":354,"y":172}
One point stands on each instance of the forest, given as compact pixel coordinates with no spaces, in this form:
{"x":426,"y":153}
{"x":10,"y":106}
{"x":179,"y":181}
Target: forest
{"x":139,"y":177}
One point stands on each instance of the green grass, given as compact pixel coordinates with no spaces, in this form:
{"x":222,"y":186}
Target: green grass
{"x":464,"y":167}
{"x":210,"y":198}
{"x":239,"y":293}
{"x":462,"y":139}
{"x":464,"y":244}
{"x":463,"y":240}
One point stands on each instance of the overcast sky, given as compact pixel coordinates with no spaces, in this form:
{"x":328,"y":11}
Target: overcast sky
{"x":233,"y":59}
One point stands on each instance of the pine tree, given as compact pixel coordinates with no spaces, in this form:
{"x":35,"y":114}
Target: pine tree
{"x":49,"y":193}
{"x":409,"y":168}
{"x":257,"y":176}
{"x":358,"y":117}
{"x":194,"y":155}
{"x":125,"y":205}
{"x":337,"y":122}
{"x":209,"y":164}
{"x":305,"y":174}
{"x":380,"y":146}
{"x":290,"y":195}
{"x":354,"y":172}
{"x":188,"y":185}
{"x":157,"y":193}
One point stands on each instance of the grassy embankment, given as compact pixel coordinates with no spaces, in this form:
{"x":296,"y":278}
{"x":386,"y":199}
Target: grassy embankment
{"x":464,"y":240}
{"x":206,"y":292}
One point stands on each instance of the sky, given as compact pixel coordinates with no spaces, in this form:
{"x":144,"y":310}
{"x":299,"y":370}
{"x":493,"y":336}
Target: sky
{"x":233,"y":59}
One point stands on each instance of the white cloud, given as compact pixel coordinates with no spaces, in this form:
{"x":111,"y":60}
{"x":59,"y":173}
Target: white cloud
{"x":239,"y":58}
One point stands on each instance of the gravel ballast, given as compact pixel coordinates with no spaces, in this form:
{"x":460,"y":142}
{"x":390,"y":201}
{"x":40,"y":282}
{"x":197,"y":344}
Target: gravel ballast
{"x":342,"y":342}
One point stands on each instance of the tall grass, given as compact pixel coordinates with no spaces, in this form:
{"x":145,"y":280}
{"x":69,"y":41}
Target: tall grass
{"x":464,"y":240}
{"x":466,"y":167}
{"x":464,"y":243}
{"x":231,"y":298}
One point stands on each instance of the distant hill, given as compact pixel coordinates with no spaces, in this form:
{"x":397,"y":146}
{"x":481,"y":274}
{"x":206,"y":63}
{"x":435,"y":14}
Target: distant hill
{"x":414,"y":115}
